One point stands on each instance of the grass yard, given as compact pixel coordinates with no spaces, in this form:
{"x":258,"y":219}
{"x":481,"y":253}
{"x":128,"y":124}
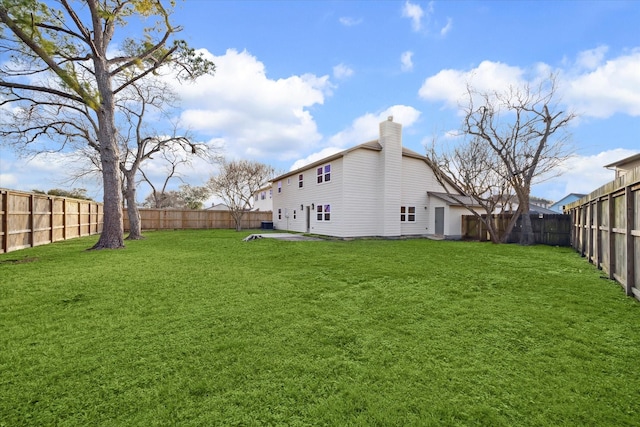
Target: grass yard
{"x":198,"y":328}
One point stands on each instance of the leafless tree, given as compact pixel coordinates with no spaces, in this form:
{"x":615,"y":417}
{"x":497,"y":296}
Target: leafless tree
{"x":62,"y":57}
{"x":236,"y":183}
{"x":522,"y":135}
{"x":150,"y":98}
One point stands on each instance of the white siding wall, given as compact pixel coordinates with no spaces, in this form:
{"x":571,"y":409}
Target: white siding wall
{"x":453,"y":221}
{"x":415,"y":175}
{"x":292,"y":197}
{"x":362,"y":198}
{"x":265,"y":204}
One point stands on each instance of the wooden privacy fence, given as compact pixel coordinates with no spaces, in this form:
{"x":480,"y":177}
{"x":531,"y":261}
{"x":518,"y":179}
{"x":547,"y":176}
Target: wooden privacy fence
{"x":29,"y":219}
{"x":548,"y":229}
{"x":606,"y":229}
{"x":177,"y":219}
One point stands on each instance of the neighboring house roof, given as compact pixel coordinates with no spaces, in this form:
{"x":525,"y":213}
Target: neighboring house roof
{"x":218,"y":207}
{"x":535,"y":209}
{"x":631,"y":159}
{"x":456,"y":200}
{"x":571,"y":197}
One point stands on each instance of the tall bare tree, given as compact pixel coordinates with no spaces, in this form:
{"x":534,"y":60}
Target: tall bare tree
{"x":236,"y":183}
{"x":62,"y":58}
{"x":141,"y":141}
{"x":523,"y":134}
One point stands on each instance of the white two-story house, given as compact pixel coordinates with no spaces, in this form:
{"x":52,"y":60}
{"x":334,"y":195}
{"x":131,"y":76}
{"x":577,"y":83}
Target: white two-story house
{"x":378,"y":188}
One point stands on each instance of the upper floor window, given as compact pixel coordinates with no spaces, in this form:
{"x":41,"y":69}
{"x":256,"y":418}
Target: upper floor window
{"x":279,"y":186}
{"x":279,"y":213}
{"x":407,"y":213}
{"x":263,"y":195}
{"x":270,"y":194}
{"x":300,"y":181}
{"x":323,"y":174}
{"x":323,"y":212}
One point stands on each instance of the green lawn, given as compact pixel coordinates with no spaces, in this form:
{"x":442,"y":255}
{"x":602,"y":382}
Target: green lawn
{"x":200,"y":328}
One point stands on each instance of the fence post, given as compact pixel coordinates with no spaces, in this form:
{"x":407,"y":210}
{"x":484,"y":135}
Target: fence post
{"x":628,"y":195}
{"x":32,"y":233}
{"x":51,"y":219}
{"x":598,"y":241}
{"x":5,"y":220}
{"x":612,"y":238}
{"x":64,"y":219}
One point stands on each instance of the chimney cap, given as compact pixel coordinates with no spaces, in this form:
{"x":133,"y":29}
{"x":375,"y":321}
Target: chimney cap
{"x":390,"y":118}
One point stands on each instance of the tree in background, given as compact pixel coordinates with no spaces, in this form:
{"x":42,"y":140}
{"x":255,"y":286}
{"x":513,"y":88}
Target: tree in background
{"x":76,"y":193}
{"x":236,"y":183}
{"x":521,"y":135}
{"x":188,"y":197}
{"x":62,"y":59}
{"x":194,"y":196}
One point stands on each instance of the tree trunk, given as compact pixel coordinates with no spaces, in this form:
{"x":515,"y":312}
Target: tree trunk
{"x":133,"y":213}
{"x":526,"y":235}
{"x":112,"y":236}
{"x":237,"y":217}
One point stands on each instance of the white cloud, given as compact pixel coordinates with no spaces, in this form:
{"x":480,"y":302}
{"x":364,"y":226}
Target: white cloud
{"x":365,"y":128}
{"x":406,"y":62}
{"x":325,"y":152}
{"x":591,"y":59}
{"x":8,"y":180}
{"x":593,"y":86}
{"x":347,"y":21}
{"x":255,"y":116}
{"x":362,"y":129}
{"x":450,"y":86}
{"x":415,"y":13}
{"x":342,"y":71}
{"x":608,"y":87}
{"x":447,"y":28}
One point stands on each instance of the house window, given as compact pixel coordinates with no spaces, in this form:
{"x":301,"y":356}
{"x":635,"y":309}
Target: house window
{"x":270,"y":194}
{"x":279,"y":186}
{"x":255,"y":198}
{"x":279,"y":213}
{"x":288,"y":181}
{"x":300,"y":181}
{"x":323,"y":212}
{"x":263,"y":195}
{"x":407,"y":213}
{"x":323,"y":174}
{"x":294,"y":214}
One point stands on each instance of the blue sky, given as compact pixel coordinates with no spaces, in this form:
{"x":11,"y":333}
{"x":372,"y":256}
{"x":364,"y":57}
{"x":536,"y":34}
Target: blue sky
{"x":298,"y":80}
